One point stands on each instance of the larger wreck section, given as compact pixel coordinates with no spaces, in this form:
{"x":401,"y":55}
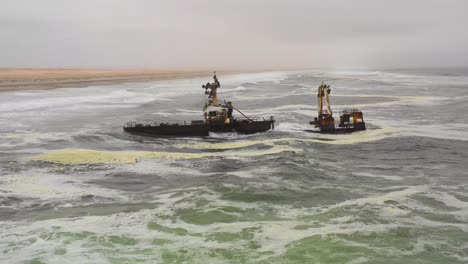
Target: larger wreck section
{"x":217,"y":117}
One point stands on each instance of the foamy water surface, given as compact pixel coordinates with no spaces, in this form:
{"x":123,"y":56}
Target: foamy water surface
{"x":74,"y":188}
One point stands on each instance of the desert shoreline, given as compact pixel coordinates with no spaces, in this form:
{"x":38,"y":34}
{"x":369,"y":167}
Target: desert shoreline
{"x":45,"y":79}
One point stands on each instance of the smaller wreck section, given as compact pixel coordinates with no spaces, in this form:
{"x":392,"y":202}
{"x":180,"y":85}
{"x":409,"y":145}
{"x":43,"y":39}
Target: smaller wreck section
{"x":350,"y":119}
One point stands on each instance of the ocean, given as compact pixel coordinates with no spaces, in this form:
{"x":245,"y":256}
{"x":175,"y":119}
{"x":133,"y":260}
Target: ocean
{"x":74,"y":188}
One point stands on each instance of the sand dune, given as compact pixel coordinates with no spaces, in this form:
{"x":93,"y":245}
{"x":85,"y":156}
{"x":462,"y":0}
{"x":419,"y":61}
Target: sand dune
{"x":28,"y":79}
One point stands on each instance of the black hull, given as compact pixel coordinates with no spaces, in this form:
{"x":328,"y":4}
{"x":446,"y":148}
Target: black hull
{"x":170,"y":130}
{"x":242,"y":127}
{"x":341,"y":130}
{"x":222,"y":128}
{"x":254,"y":126}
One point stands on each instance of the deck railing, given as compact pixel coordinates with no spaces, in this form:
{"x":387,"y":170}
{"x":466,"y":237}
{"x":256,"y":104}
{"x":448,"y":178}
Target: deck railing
{"x":349,"y":111}
{"x":165,"y":123}
{"x":256,"y":119}
{"x":193,"y":122}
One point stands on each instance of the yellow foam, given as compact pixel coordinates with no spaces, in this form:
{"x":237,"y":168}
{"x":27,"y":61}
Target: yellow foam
{"x":85,"y":156}
{"x":89,"y":156}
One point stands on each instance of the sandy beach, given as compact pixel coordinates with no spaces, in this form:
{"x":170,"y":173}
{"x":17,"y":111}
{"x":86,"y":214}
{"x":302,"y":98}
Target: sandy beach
{"x":32,"y":79}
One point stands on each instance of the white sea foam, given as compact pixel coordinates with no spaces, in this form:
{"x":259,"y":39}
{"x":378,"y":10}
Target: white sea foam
{"x":292,"y":127}
{"x":47,"y":186}
{"x":237,"y":89}
{"x":455,"y":131}
{"x":275,"y":236}
{"x":373,"y":175}
{"x":67,"y":99}
{"x":399,"y":195}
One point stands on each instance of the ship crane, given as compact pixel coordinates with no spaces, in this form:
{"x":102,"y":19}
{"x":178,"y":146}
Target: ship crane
{"x":324,"y":121}
{"x":324,"y":92}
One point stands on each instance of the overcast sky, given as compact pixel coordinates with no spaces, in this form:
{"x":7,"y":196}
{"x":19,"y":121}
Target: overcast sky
{"x":233,"y":34}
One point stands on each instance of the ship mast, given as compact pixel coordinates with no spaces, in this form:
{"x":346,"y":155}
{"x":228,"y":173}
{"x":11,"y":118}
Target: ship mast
{"x":211,"y":89}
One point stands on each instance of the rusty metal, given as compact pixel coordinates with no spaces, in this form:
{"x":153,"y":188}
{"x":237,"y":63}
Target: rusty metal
{"x":350,"y":119}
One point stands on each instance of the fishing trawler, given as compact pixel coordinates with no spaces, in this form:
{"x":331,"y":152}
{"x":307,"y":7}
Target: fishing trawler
{"x":351,"y":120}
{"x":218,"y":118}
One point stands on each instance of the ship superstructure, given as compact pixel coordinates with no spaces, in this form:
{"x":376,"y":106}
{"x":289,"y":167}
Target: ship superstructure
{"x":218,"y":117}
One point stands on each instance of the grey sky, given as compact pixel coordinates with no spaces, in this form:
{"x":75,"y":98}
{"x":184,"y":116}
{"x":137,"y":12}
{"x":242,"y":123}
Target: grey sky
{"x":233,"y":34}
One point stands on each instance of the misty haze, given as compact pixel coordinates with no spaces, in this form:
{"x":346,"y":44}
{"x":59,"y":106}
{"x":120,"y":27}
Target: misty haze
{"x":233,"y":34}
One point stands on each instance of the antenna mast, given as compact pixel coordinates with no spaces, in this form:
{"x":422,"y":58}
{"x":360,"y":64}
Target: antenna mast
{"x":211,"y":89}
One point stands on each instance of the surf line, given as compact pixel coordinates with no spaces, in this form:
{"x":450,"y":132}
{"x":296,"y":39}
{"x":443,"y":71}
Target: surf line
{"x":360,"y":137}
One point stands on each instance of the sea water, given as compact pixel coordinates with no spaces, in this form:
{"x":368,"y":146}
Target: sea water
{"x":74,"y":188}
